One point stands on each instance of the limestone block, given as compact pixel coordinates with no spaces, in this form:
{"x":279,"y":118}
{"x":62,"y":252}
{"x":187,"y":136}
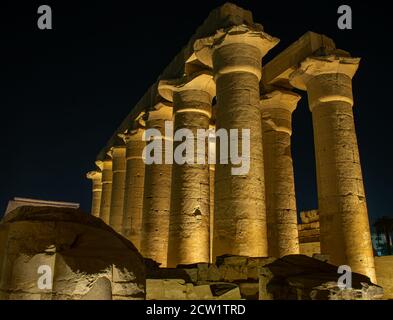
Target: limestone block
{"x":232,"y":294}
{"x":166,"y":289}
{"x":87,"y":259}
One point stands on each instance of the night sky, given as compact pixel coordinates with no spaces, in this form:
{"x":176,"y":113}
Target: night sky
{"x":64,"y":91}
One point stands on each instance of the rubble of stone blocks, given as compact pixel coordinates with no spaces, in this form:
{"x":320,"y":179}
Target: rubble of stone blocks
{"x":299,"y":277}
{"x":231,"y":277}
{"x":309,"y":233}
{"x":88,"y":260}
{"x":293,"y":277}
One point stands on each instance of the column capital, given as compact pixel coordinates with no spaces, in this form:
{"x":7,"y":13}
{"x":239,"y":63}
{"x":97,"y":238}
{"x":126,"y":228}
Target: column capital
{"x":280,"y":99}
{"x":94,"y":175}
{"x":106,"y":164}
{"x":326,"y":79}
{"x":202,"y":81}
{"x":99,"y":164}
{"x":134,"y":133}
{"x":312,"y":67}
{"x":116,"y":151}
{"x":191,"y":93}
{"x":251,"y":43}
{"x":277,"y":107}
{"x":160,"y":111}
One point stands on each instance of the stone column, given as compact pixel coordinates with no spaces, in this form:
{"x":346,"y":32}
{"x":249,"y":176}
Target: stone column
{"x":157,"y":193}
{"x":118,"y":154}
{"x":345,"y":230}
{"x":240,"y":216}
{"x":105,"y":206}
{"x":135,"y":176}
{"x":189,"y":235}
{"x":96,"y":178}
{"x":281,"y":215}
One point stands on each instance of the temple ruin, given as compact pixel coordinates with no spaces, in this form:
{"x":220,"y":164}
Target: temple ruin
{"x":186,"y":214}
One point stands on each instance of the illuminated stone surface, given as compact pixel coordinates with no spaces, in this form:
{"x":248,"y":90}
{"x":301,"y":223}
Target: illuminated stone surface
{"x":88,"y":260}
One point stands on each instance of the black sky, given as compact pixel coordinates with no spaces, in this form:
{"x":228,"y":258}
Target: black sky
{"x":64,"y":91}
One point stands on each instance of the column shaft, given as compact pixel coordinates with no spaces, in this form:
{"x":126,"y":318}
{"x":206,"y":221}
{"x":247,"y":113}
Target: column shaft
{"x":133,"y":197}
{"x":96,"y":178}
{"x":105,"y":206}
{"x":118,"y":186}
{"x":189,"y":221}
{"x":157,"y":196}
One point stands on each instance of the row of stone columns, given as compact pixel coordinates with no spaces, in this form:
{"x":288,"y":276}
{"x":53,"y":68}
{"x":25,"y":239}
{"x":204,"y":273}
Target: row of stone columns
{"x":253,"y":214}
